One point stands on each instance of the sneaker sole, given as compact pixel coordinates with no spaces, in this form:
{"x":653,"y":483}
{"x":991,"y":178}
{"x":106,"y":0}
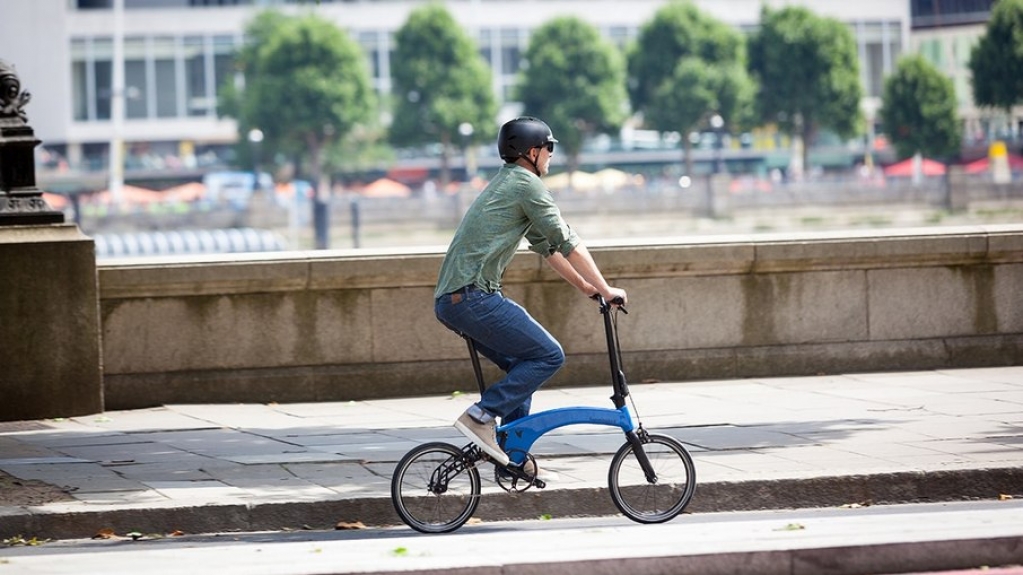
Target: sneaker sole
{"x":498,"y":456}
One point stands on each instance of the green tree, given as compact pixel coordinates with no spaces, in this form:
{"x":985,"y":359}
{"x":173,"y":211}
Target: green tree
{"x":807,"y":69}
{"x":257,"y":33}
{"x":694,"y":93}
{"x":440,"y":83}
{"x":997,"y":59}
{"x":575,"y":81}
{"x":686,"y":66}
{"x":919,"y":111}
{"x":306,"y":86}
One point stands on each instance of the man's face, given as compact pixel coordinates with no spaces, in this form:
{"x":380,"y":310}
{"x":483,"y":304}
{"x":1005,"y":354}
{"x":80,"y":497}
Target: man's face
{"x":543,"y":158}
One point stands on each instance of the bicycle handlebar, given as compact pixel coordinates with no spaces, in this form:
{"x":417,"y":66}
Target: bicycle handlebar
{"x":617,"y":301}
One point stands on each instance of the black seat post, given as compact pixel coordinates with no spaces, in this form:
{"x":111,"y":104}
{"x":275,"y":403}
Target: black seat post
{"x":474,"y":355}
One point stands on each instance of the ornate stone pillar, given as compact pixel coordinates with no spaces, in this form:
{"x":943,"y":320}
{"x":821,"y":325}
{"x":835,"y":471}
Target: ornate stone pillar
{"x":49,"y":300}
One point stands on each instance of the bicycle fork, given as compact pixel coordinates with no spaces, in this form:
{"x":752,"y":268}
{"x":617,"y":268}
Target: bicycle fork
{"x":636,"y":439}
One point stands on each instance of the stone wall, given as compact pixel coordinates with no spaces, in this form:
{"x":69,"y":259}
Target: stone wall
{"x":312,"y":326}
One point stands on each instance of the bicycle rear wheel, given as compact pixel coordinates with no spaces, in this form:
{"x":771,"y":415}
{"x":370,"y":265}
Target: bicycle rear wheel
{"x":662,"y":500}
{"x":434,"y":489}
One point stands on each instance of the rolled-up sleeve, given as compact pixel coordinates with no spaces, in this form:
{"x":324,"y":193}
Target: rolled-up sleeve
{"x":548,"y":233}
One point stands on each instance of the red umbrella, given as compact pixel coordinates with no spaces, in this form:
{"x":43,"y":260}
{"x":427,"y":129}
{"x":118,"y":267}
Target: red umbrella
{"x":984,"y":164}
{"x":386,"y":188}
{"x":904,"y":168}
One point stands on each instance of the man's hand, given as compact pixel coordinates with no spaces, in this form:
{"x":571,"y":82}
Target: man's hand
{"x":614,"y":296}
{"x":613,"y":293}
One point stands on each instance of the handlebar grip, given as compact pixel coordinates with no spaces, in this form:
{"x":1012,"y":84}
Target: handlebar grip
{"x":618,"y":301}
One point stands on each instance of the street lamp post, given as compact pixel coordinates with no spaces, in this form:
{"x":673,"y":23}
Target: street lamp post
{"x":466,"y":130}
{"x":718,"y":124}
{"x":255,"y":142}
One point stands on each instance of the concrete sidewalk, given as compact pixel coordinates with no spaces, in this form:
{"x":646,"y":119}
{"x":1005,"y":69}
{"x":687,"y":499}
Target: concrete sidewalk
{"x":842,"y":440}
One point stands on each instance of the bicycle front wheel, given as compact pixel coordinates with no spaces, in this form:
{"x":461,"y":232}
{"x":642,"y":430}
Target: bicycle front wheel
{"x":434,"y":489}
{"x":652,"y":502}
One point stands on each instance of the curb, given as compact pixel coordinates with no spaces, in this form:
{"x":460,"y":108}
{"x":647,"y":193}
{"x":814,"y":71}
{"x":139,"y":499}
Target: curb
{"x":832,"y":491}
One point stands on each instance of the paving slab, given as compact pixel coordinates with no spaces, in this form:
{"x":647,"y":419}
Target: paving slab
{"x":758,"y":443}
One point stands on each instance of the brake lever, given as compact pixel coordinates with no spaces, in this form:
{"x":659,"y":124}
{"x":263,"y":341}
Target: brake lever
{"x":617,"y":302}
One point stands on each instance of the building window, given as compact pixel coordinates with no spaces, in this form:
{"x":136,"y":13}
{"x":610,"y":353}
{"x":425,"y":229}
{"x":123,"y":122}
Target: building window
{"x":164,"y":76}
{"x":196,"y":100}
{"x":223,"y":66}
{"x":103,"y":57}
{"x":136,"y":84}
{"x":80,"y":80}
{"x":91,"y":78}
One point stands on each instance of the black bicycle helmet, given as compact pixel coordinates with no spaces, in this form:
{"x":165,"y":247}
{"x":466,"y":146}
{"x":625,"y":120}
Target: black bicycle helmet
{"x":522,"y":134}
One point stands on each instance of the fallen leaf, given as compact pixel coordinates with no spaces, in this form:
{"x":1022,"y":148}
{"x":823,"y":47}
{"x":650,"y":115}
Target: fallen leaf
{"x":400,"y":551}
{"x":1004,"y":497}
{"x":105,"y":533}
{"x":177,"y":533}
{"x":792,"y":527}
{"x":135,"y":535}
{"x":19,"y":540}
{"x":350,"y":525}
{"x":545,"y":517}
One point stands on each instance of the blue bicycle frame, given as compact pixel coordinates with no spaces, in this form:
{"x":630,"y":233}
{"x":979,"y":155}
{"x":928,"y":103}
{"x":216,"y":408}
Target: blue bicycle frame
{"x":518,"y":436}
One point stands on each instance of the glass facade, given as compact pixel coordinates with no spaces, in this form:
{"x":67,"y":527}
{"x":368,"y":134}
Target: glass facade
{"x":880,"y":45}
{"x":934,"y":13}
{"x":164,"y":76}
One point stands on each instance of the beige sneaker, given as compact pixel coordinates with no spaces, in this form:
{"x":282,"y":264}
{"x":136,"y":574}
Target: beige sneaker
{"x":483,"y":435}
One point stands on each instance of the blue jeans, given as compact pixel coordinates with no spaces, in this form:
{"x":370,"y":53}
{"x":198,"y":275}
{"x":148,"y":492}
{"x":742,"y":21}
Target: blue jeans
{"x":507,"y":335}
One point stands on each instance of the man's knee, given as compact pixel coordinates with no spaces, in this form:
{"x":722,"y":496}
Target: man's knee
{"x":555,"y":357}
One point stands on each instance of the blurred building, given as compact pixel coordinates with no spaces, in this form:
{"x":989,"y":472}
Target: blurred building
{"x":944,"y":32}
{"x":178,"y":52}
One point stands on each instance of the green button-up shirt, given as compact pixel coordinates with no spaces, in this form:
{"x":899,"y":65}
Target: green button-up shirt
{"x":515,"y":205}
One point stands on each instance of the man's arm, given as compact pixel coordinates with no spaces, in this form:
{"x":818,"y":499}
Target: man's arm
{"x":579,"y":269}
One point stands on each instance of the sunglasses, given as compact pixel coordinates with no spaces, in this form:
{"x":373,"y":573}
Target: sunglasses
{"x":549,"y":146}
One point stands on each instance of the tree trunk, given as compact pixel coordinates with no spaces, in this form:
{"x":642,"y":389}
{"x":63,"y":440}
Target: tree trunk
{"x":321,"y":197}
{"x":445,"y":162}
{"x":807,"y":135}
{"x":687,"y":154}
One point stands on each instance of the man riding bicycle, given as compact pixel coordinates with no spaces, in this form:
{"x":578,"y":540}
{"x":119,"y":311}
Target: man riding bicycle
{"x":468,"y":298}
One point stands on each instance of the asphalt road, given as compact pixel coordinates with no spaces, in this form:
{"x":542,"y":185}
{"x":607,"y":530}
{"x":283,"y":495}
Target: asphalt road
{"x":852,"y":540}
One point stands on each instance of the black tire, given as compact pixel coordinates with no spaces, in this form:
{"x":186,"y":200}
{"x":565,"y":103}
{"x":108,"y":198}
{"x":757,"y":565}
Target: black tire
{"x":433,"y":489}
{"x":646,"y":502}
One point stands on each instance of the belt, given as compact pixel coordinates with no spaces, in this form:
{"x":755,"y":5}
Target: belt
{"x":458,"y":295}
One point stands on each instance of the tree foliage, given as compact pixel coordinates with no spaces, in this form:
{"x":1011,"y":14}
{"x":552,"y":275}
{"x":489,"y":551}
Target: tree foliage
{"x":678,"y":30}
{"x":919,"y":112}
{"x":439,"y":82}
{"x":686,"y":66}
{"x":575,"y":81}
{"x":997,"y":59}
{"x":807,"y":68}
{"x":306,"y":86}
